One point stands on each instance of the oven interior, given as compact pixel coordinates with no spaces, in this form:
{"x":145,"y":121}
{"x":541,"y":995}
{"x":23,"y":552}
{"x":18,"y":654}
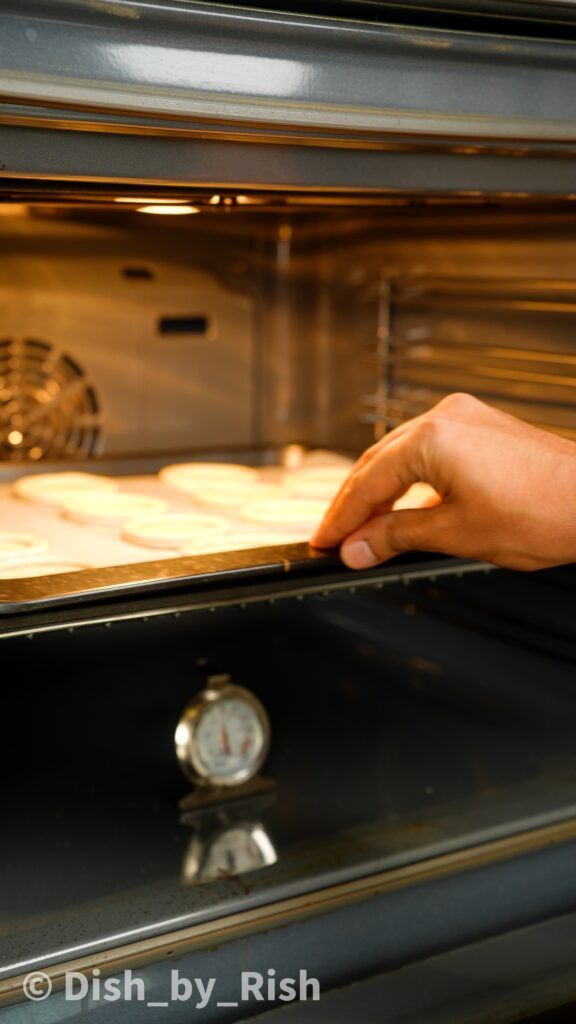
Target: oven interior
{"x":423,"y":712}
{"x":263,"y":320}
{"x":142,"y":329}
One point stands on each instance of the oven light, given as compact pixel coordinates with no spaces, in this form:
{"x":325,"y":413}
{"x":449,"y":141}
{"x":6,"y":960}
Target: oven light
{"x":15,"y":437}
{"x":139,"y":200}
{"x":171,"y":210}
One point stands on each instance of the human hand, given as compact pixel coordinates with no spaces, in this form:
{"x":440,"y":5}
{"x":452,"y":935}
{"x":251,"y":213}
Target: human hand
{"x":507,"y":489}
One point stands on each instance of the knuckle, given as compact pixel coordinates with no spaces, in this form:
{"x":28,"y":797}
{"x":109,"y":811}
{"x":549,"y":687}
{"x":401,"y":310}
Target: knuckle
{"x":394,"y":547}
{"x":432,"y":432}
{"x":394,"y":535}
{"x":366,"y":456}
{"x":459,"y":401}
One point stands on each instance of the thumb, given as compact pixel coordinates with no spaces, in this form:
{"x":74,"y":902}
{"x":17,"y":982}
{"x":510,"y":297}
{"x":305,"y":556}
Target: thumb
{"x":392,"y":533}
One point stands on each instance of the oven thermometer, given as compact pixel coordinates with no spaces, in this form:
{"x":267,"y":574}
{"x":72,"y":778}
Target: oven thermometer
{"x":223,"y":736}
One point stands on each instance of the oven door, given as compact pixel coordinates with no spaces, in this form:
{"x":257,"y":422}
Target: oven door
{"x":418,"y":798}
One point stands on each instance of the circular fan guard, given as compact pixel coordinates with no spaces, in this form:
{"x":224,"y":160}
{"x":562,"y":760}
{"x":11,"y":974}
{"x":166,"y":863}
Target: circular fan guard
{"x":48,"y":409}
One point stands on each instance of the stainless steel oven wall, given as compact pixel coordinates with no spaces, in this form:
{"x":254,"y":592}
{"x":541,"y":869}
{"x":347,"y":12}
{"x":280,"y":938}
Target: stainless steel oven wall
{"x":313,"y":371}
{"x":419,"y":303}
{"x":124,"y":333}
{"x":115,"y":338}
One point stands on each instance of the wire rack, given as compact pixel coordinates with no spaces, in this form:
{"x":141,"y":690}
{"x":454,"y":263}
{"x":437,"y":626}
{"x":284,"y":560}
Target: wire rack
{"x":509,"y":341}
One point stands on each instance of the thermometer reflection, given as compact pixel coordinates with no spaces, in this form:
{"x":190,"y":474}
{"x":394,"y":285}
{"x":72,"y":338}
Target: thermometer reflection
{"x":235,"y":848}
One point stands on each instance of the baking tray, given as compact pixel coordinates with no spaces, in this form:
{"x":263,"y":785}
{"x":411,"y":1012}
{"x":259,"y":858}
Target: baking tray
{"x":127,"y":580}
{"x":174,"y":586}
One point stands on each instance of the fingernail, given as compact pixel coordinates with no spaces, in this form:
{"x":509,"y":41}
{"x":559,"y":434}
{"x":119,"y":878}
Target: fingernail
{"x":358,"y":555}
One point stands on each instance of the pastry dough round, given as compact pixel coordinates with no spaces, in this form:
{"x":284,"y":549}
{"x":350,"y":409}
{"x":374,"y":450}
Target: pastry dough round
{"x":292,"y":513}
{"x":56,"y":488}
{"x":111,"y":508}
{"x":236,"y":542}
{"x":235,"y":497}
{"x":49,"y":567}
{"x":187,"y":476}
{"x":20,"y":545}
{"x":173,"y":530}
{"x":419,"y":495}
{"x":324,"y":457}
{"x":295,"y":457}
{"x":320,"y":482}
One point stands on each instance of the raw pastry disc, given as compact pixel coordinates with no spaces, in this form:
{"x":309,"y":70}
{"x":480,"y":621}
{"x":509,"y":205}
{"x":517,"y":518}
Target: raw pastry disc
{"x":19,"y":545}
{"x":320,"y":482}
{"x":324,"y":457}
{"x":236,"y":542}
{"x":49,"y":567}
{"x":292,"y":513}
{"x":418,"y":496}
{"x":111,"y":508}
{"x":187,"y":476}
{"x":55,"y":488}
{"x":237,"y":495}
{"x":173,"y":530}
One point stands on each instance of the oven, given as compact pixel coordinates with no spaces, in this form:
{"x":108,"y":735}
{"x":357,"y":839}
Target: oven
{"x":262,"y":239}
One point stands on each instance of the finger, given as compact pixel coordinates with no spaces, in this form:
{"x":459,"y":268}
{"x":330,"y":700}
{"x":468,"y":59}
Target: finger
{"x":369,"y":454}
{"x":348,"y":509}
{"x":392,"y":534}
{"x":459,"y":408}
{"x":379,"y":483}
{"x":383,"y":442}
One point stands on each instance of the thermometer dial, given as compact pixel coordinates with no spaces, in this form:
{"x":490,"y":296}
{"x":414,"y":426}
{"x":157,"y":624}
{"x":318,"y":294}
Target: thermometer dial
{"x":223,"y":736}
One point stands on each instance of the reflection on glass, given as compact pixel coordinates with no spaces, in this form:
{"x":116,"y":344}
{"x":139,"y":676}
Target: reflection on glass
{"x":231,"y":850}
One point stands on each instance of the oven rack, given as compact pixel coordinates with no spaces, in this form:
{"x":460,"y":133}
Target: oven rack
{"x":506,"y":340}
{"x":472,"y":288}
{"x":173,"y":587}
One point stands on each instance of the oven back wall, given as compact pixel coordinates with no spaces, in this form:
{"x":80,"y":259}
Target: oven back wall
{"x":114,"y":339}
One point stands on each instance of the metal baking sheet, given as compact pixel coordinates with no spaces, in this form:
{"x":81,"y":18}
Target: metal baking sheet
{"x":101,"y":546}
{"x":137,"y":580}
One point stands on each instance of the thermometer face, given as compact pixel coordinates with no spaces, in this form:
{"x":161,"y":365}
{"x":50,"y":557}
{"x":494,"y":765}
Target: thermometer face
{"x":229,"y":738}
{"x":223,"y":736}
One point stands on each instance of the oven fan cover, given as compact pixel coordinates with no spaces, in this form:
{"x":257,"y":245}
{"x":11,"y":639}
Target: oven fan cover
{"x":48,"y":407}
